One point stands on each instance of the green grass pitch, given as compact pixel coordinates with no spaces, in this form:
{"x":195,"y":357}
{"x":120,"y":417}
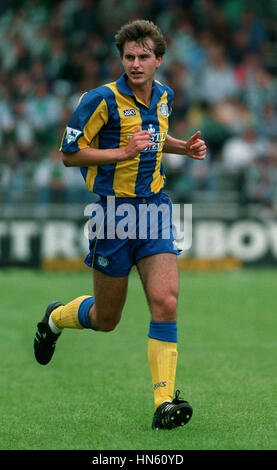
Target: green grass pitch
{"x":96,"y":393}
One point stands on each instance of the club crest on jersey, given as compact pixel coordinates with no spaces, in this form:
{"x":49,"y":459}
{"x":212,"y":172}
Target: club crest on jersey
{"x":164,"y":109}
{"x":72,"y":134}
{"x":129,"y":112}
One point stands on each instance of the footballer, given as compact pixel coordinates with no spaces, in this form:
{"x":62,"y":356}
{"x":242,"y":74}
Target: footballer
{"x":117,"y":135}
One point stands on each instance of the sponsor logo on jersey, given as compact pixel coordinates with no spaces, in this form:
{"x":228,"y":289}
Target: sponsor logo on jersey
{"x":129,"y":112}
{"x":157,"y":137}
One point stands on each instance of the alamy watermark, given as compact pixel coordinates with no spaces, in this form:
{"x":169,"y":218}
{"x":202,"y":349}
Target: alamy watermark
{"x":139,"y":221}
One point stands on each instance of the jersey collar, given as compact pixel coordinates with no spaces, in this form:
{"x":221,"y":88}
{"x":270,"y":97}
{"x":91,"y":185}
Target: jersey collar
{"x":123,"y":87}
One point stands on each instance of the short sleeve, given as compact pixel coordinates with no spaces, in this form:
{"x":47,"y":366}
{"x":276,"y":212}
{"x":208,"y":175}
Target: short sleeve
{"x":85,"y":123}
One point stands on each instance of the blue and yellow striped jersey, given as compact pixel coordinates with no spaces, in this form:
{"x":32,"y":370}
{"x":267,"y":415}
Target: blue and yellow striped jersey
{"x":106,"y":117}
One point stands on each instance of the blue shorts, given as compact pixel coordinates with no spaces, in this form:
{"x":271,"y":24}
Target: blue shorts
{"x":128,"y":229}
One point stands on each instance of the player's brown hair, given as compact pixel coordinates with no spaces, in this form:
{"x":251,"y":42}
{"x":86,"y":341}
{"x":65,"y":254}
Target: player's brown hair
{"x":139,"y":31}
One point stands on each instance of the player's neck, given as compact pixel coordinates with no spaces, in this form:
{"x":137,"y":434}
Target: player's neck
{"x":143,"y":92}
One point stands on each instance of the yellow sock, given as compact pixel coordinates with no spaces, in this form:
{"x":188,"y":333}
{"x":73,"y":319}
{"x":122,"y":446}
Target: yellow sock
{"x":66,"y":316}
{"x":162,"y":357}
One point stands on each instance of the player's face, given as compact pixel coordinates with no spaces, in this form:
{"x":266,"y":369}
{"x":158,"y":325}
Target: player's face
{"x":139,"y":62}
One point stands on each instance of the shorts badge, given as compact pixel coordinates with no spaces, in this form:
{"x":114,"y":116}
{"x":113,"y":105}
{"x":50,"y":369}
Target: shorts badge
{"x":102,"y":261}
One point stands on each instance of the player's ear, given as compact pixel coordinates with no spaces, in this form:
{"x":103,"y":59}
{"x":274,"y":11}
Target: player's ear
{"x":159,"y":61}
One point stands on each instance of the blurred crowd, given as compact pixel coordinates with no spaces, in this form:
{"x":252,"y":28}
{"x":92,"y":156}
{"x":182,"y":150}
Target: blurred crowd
{"x":221,"y":63}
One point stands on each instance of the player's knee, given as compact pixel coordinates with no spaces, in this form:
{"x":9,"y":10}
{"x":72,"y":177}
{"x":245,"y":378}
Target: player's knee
{"x":108,"y":323}
{"x":164,"y":307}
{"x":104,"y":320}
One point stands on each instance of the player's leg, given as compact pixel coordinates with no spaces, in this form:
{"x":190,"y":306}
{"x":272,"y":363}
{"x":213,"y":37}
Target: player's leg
{"x":101,"y":312}
{"x":110,"y":295}
{"x":159,"y":275}
{"x":160,"y":279}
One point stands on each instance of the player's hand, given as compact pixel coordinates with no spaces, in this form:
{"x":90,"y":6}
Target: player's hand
{"x":139,"y":141}
{"x":195,"y":147}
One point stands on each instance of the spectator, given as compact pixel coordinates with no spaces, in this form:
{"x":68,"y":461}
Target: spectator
{"x":267,"y":121}
{"x":260,"y":181}
{"x":241,"y":151}
{"x":13,"y":176}
{"x":260,"y":89}
{"x":43,"y":111}
{"x":217,"y":79}
{"x":233,"y":115}
{"x":23,"y":135}
{"x":49,"y":180}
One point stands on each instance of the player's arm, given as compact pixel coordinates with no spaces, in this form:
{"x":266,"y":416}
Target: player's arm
{"x":93,"y":156}
{"x":193,"y":147}
{"x":90,"y":157}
